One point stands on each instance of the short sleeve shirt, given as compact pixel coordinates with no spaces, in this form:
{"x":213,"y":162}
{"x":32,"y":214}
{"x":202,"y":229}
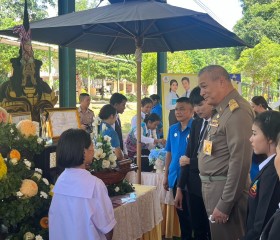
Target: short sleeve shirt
{"x":176,"y":144}
{"x":115,"y":142}
{"x":80,"y":208}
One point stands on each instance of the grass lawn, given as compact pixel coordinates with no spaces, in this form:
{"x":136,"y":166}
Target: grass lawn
{"x":126,"y":117}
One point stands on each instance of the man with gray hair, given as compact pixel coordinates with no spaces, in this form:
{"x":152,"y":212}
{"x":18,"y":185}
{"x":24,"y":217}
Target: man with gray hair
{"x":225,"y":154}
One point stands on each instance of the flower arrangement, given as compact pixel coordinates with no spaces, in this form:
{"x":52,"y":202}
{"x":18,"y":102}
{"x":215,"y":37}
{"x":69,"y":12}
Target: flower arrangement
{"x":20,"y":138}
{"x":24,"y":197}
{"x":104,"y":156}
{"x":121,"y":188}
{"x":24,"y":194}
{"x":157,"y":158}
{"x":157,"y":155}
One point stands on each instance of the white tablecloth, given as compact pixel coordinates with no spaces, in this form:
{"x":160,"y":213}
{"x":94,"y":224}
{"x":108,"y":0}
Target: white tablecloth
{"x":153,"y":179}
{"x":139,"y":215}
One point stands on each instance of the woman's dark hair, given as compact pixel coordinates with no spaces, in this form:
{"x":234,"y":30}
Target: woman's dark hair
{"x":269,"y":123}
{"x":153,"y":117}
{"x":146,"y":101}
{"x":106,"y":111}
{"x":171,"y":82}
{"x":71,"y":146}
{"x":259,"y":100}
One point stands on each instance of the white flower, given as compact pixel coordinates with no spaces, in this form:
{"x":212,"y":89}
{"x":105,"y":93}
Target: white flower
{"x":105,"y":164}
{"x":45,"y":181}
{"x":39,"y":170}
{"x":27,"y":163}
{"x":38,"y":237}
{"x":28,"y":236}
{"x":37,"y":175}
{"x":14,"y":161}
{"x":5,"y":159}
{"x":19,"y":194}
{"x":112,"y":157}
{"x":98,"y":153}
{"x":114,"y":164}
{"x":107,"y":138}
{"x":12,"y":130}
{"x":43,"y":195}
{"x":103,"y":127}
{"x":117,"y":189}
{"x":99,"y":144}
{"x":39,"y":140}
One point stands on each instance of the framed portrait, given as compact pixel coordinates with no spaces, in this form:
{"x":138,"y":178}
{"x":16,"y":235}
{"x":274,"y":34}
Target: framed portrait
{"x":61,"y":119}
{"x":174,"y":86}
{"x":16,"y":117}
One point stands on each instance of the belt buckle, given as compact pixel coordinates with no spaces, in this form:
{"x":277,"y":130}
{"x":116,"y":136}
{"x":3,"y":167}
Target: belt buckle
{"x":210,"y":178}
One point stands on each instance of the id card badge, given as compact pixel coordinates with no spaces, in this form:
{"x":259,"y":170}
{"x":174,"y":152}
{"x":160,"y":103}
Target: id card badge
{"x":207,"y":147}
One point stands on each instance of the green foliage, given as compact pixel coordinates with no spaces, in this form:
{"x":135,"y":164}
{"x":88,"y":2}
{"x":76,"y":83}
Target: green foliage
{"x":261,"y":18}
{"x":149,"y":69}
{"x":261,"y":64}
{"x":10,"y":137}
{"x":81,"y":5}
{"x":19,"y":213}
{"x":131,"y":97}
{"x":121,"y":188}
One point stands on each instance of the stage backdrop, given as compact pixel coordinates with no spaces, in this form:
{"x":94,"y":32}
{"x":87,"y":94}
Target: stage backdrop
{"x":165,"y":89}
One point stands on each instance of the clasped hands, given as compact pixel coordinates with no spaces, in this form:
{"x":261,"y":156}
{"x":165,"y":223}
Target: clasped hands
{"x":218,"y":217}
{"x":184,"y":160}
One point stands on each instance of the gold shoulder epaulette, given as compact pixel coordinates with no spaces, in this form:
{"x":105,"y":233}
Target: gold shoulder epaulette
{"x":233,"y":105}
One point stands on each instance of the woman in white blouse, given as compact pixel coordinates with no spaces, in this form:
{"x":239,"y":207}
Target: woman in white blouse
{"x":171,"y":101}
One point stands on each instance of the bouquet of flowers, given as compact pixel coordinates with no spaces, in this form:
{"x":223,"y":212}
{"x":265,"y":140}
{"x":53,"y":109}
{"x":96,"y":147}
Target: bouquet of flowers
{"x":157,"y":157}
{"x":24,"y":194}
{"x":157,"y":154}
{"x":104,"y":156}
{"x":25,"y":198}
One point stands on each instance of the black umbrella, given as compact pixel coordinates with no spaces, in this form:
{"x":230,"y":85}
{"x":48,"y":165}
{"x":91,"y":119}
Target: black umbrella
{"x":134,"y":27}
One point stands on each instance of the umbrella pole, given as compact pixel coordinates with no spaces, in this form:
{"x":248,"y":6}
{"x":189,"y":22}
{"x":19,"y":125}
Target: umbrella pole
{"x":138,"y":57}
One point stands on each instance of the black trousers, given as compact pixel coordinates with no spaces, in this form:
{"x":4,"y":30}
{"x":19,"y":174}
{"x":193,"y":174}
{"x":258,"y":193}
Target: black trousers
{"x":199,"y":218}
{"x":184,"y":217}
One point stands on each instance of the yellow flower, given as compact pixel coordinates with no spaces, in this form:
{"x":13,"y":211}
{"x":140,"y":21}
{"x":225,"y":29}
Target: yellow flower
{"x":15,"y":154}
{"x":28,"y":188}
{"x":3,"y":167}
{"x":27,"y":128}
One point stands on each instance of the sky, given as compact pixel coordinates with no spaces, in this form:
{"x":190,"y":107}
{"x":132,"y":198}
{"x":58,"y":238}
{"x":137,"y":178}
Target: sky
{"x":228,"y":12}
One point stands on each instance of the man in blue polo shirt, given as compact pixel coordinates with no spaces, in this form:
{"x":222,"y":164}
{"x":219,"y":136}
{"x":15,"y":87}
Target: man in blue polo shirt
{"x":176,"y":146}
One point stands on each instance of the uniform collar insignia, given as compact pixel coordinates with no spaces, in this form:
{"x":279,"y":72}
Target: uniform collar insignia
{"x":233,"y":105}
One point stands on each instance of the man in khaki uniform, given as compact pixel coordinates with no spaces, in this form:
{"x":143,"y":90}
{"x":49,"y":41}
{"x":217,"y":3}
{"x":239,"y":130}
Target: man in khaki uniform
{"x":225,"y":154}
{"x":86,"y":114}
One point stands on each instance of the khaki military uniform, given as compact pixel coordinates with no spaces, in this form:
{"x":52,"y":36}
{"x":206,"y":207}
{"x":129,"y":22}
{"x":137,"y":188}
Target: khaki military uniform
{"x":86,"y":118}
{"x":224,"y":171}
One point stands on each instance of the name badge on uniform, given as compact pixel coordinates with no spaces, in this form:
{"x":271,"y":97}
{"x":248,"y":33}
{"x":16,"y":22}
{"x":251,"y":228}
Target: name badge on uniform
{"x":207,"y":147}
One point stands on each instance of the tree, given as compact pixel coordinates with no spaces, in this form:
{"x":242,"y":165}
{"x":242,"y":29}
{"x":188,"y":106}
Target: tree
{"x":11,"y":14}
{"x":261,"y":18}
{"x":149,"y":69}
{"x":261,"y":64}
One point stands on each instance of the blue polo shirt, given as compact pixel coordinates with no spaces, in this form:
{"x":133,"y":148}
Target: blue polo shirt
{"x":176,"y":144}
